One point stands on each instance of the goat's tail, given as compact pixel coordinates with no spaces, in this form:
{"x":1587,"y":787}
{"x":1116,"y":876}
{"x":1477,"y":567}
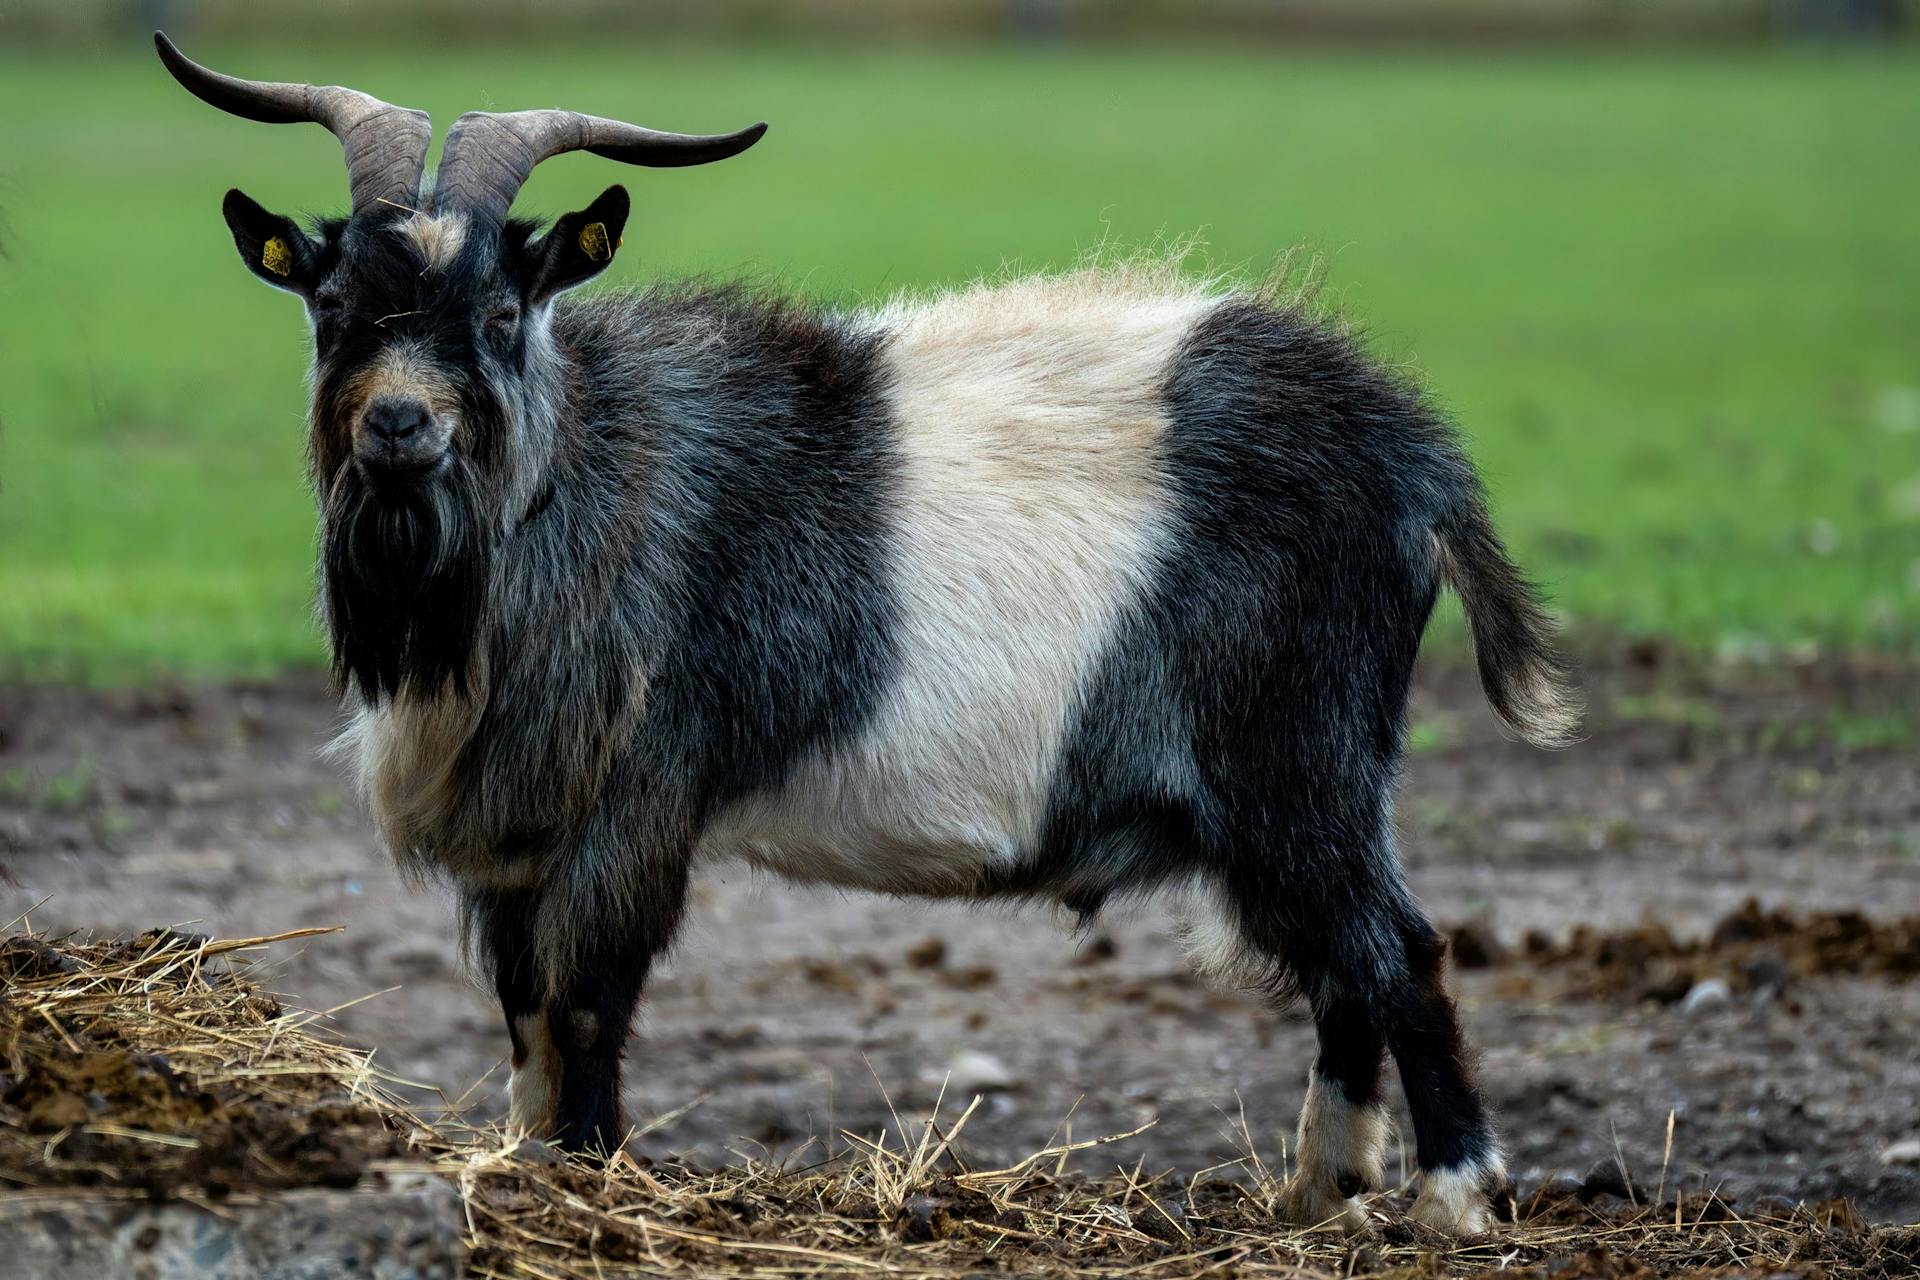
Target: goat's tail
{"x":1527,"y":681}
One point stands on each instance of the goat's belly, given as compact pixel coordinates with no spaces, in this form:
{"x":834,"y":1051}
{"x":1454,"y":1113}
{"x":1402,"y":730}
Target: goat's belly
{"x":826,"y":828}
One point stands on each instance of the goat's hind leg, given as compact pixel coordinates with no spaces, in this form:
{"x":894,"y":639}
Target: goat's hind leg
{"x":1377,"y":976}
{"x":1385,"y":986}
{"x":1462,"y":1172}
{"x":1324,"y":909}
{"x":1342,"y":1138}
{"x":1234,"y":934}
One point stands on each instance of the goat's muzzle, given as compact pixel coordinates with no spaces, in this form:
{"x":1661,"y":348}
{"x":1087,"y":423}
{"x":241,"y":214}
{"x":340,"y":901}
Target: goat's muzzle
{"x":400,"y":439}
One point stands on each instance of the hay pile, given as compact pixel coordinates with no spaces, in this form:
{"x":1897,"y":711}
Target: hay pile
{"x":155,"y":1068}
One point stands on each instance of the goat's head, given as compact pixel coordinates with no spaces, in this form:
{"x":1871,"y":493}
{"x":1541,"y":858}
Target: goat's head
{"x":431,"y":409}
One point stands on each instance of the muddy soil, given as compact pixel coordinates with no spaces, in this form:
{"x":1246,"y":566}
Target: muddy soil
{"x":788,"y":1014}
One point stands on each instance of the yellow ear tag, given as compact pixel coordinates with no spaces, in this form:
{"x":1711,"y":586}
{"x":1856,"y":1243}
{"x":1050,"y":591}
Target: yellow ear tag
{"x":593,"y":241}
{"x":276,"y":257}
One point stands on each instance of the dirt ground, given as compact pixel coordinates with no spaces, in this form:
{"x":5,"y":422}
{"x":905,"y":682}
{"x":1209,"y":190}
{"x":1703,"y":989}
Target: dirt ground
{"x":789,"y":1014}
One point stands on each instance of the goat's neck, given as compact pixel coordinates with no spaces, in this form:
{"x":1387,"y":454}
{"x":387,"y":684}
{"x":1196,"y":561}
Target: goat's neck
{"x":537,"y":425}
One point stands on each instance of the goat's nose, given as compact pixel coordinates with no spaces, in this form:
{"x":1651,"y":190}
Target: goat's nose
{"x":392,"y":419}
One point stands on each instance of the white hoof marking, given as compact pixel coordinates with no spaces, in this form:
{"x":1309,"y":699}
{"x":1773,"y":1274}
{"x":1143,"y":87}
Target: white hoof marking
{"x":1337,"y":1141}
{"x":1456,"y":1200}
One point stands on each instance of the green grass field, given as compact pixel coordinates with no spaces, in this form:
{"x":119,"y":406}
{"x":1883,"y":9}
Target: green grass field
{"x":1674,"y":301}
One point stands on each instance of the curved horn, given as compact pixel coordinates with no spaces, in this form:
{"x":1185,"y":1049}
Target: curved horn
{"x":385,"y":145}
{"x":489,"y":155}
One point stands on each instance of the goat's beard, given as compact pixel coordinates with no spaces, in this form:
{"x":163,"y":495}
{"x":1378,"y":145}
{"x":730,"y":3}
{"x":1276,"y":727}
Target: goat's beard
{"x":404,"y":577}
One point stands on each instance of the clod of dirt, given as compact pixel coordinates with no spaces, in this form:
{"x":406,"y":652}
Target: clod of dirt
{"x":1473,"y":946}
{"x":1748,"y":950}
{"x":970,"y":977}
{"x":826,"y":973}
{"x":1166,"y":1221}
{"x":1605,"y":1178}
{"x":928,"y":953}
{"x":25,"y":958}
{"x":924,"y":1218}
{"x":1096,"y":950}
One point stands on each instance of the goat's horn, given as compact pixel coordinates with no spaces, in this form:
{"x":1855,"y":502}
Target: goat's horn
{"x":490,"y":155}
{"x":385,"y":145}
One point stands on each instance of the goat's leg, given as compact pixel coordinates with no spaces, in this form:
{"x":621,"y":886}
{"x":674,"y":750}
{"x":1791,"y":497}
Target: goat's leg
{"x":1316,"y":898}
{"x":1461,"y":1170}
{"x":1342,"y":1137}
{"x":502,"y":923}
{"x":591,"y":1000}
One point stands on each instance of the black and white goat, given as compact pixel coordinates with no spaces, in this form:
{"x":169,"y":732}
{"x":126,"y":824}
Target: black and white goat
{"x":1065,"y":588}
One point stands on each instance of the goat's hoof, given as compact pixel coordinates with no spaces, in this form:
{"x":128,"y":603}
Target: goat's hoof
{"x":1457,"y":1201}
{"x":1315,"y":1204}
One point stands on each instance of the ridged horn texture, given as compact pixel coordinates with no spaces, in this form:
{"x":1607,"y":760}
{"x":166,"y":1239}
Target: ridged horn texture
{"x":489,"y":155}
{"x":385,"y":145}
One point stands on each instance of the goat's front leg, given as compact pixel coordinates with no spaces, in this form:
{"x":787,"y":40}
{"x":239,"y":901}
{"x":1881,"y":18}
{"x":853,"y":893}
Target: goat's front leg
{"x":570,"y":976}
{"x":501,"y":925}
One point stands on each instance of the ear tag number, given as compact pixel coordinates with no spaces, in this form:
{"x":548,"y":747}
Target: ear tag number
{"x":276,"y":257}
{"x":593,"y":241}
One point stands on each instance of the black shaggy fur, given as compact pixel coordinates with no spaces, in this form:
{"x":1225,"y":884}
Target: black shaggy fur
{"x":405,"y":577}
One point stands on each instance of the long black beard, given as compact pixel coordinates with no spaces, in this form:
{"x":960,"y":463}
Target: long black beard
{"x":405,"y":573}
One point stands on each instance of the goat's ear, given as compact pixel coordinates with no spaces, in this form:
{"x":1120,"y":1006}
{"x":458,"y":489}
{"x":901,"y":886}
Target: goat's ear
{"x":579,"y":246}
{"x":271,"y":246}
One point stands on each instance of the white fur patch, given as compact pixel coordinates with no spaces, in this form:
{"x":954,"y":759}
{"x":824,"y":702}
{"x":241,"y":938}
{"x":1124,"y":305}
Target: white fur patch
{"x":404,"y":753}
{"x":1456,"y":1199}
{"x":438,"y":237}
{"x":1336,"y":1139}
{"x":1210,"y":936}
{"x":1028,"y":516}
{"x":533,"y":1091}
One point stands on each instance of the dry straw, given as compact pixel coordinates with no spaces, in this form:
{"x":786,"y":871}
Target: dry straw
{"x":155,"y":1066}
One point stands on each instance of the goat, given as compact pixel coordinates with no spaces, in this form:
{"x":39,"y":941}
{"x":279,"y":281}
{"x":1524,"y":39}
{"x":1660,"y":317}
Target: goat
{"x":1060,"y":589}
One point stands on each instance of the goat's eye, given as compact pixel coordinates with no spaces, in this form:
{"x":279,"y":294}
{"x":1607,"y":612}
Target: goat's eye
{"x":327,"y":304}
{"x":502,"y":319}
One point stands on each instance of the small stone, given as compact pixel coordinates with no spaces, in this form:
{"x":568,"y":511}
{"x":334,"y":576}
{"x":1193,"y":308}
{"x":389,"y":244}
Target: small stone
{"x":973,"y":1072}
{"x":1905,"y":1151}
{"x":1711,"y":993}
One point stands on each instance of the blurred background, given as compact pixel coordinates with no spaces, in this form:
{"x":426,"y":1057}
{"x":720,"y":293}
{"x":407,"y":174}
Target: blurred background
{"x":1658,"y":258}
